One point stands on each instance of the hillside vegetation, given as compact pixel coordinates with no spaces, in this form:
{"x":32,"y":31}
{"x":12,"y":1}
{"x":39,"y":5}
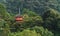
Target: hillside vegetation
{"x":33,"y":24}
{"x":38,"y":6}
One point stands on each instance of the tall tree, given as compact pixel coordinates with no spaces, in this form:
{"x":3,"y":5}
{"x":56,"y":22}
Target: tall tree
{"x":51,"y":19}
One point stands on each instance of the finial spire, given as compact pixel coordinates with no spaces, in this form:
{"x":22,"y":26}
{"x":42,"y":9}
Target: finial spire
{"x":19,"y":12}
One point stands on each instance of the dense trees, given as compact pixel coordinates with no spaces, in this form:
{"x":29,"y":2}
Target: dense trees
{"x":3,"y":13}
{"x":39,"y":6}
{"x":51,"y":18}
{"x":36,"y":31}
{"x":46,"y":25}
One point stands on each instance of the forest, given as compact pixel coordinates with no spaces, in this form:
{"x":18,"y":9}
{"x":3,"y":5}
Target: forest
{"x":38,"y":19}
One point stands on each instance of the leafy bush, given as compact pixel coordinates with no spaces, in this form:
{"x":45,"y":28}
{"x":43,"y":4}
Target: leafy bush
{"x":42,"y":31}
{"x":36,"y":31}
{"x":25,"y":33}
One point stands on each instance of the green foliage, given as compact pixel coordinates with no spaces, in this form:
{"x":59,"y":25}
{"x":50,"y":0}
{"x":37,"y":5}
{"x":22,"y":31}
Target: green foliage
{"x":29,"y":12}
{"x":39,"y":6}
{"x":25,"y":33}
{"x":42,"y":31}
{"x":51,"y":18}
{"x":49,"y":21}
{"x":5,"y":15}
{"x":2,"y":22}
{"x":28,"y":21}
{"x":36,"y":31}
